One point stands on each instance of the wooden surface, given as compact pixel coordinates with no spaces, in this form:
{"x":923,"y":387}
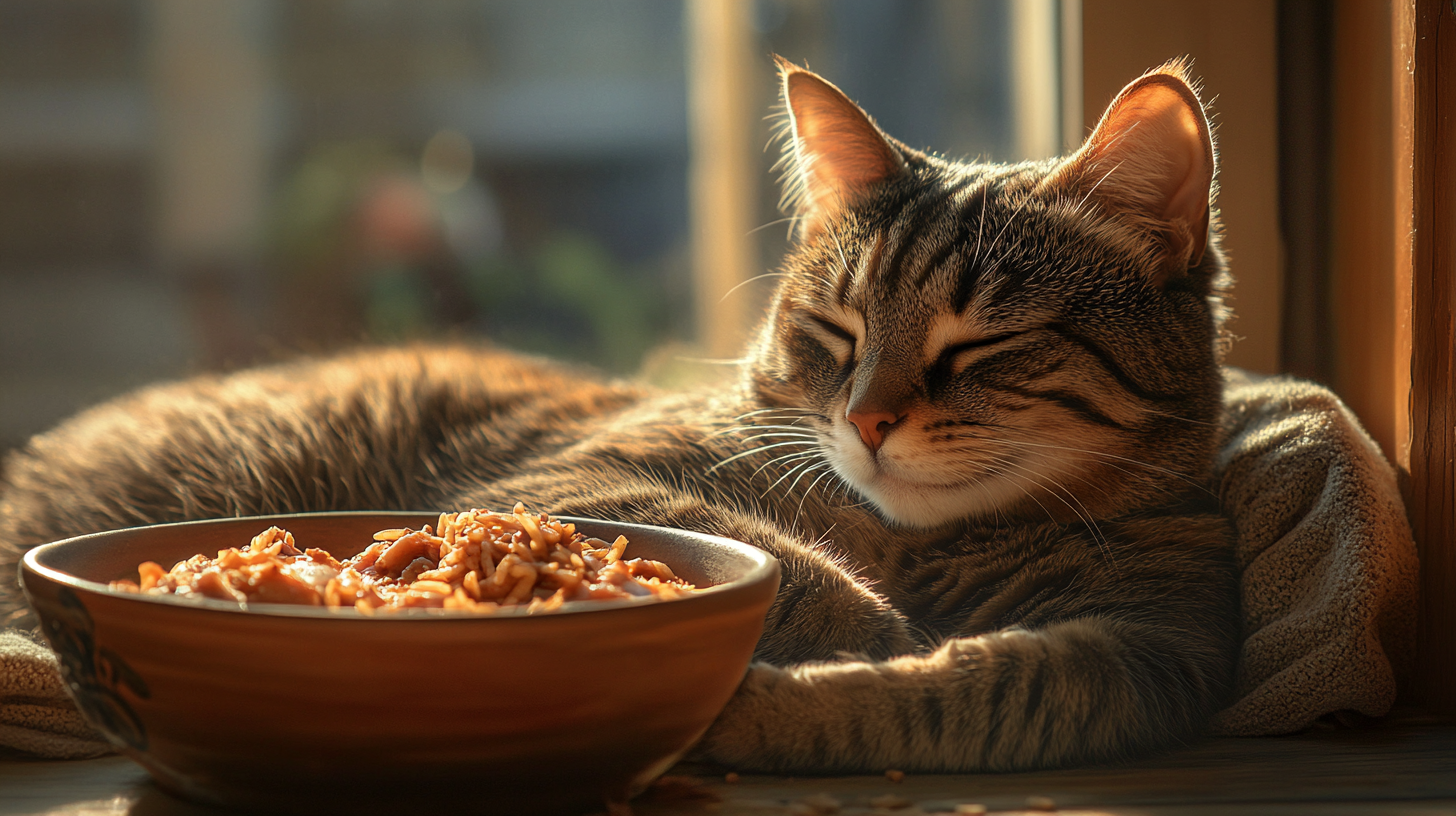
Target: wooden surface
{"x":1396,"y":770}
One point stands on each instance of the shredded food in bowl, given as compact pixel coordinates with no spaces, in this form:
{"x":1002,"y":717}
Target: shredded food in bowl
{"x":475,"y":561}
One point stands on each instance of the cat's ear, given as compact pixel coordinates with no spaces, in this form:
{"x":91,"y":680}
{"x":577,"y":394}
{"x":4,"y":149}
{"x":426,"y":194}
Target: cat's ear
{"x":835,"y":154}
{"x":1152,"y":159}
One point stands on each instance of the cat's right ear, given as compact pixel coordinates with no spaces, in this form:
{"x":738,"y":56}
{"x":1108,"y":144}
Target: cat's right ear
{"x":835,"y":153}
{"x":1151,"y":158}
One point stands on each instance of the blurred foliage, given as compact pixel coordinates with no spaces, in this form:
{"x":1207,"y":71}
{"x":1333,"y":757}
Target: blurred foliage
{"x":571,"y":298}
{"x":564,"y":296}
{"x":315,"y":201}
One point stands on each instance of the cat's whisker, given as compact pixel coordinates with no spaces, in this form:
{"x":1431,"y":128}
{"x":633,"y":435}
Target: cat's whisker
{"x":1057,"y":491}
{"x":1182,"y":476}
{"x":811,"y":460}
{"x":786,"y":431}
{"x":1025,"y":200}
{"x":1102,"y":454}
{"x":980,"y":485}
{"x":978,"y":449}
{"x":1062,"y":494}
{"x":772,"y":408}
{"x":792,"y":426}
{"x":810,"y":489}
{"x":1081,"y":478}
{"x":777,"y":410}
{"x":711,"y":360}
{"x":807,"y":456}
{"x":789,"y":219}
{"x":1010,"y":477}
{"x":1085,"y":198}
{"x":781,"y":435}
{"x":1082,"y":514}
{"x":840,"y":492}
{"x":735,"y":457}
{"x":1171,"y":415}
{"x":805,"y":466}
{"x":823,"y":464}
{"x":742,"y":284}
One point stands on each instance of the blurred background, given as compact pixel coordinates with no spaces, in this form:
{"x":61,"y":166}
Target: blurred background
{"x":189,"y":186}
{"x":192,"y":186}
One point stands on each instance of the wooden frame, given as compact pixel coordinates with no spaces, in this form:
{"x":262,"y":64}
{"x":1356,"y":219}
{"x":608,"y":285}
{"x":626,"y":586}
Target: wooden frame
{"x":1394,"y":266}
{"x":1429,"y":48}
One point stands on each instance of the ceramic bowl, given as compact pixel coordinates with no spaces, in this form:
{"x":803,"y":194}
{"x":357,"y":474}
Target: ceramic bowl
{"x":302,"y":709}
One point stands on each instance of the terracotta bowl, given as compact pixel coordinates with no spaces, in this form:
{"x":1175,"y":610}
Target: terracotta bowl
{"x":302,"y":709}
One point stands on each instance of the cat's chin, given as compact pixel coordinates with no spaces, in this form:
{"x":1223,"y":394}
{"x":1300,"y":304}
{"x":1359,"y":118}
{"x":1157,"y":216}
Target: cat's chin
{"x":922,"y":504}
{"x":913,"y":505}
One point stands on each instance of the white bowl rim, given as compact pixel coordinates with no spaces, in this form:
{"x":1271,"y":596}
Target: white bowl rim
{"x":764,"y":567}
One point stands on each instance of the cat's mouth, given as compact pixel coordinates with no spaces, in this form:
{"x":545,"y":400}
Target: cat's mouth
{"x":920,"y":489}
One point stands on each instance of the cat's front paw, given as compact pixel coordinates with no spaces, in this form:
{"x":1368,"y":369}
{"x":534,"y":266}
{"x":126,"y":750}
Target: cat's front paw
{"x":746,"y":727}
{"x":823,"y":614}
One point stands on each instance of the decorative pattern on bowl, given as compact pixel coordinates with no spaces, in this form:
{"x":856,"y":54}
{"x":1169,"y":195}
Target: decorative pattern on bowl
{"x":96,"y":675}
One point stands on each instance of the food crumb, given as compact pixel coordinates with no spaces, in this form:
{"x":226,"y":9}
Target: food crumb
{"x":679,"y":789}
{"x":890,"y":801}
{"x":1040,"y":803}
{"x":821,"y":803}
{"x":731,"y":777}
{"x":971,"y":809}
{"x":894,"y":775}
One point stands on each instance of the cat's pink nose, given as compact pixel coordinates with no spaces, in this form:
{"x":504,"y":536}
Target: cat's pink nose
{"x":872,"y":425}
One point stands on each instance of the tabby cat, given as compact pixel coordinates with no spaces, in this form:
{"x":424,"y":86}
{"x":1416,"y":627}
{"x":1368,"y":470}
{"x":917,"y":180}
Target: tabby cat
{"x":976,"y":426}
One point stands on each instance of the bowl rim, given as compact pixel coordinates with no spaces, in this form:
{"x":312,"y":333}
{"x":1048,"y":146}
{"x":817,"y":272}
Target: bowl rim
{"x":765,"y":567}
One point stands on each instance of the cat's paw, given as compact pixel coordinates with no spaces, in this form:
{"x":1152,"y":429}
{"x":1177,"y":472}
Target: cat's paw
{"x":823,"y":614}
{"x":750,"y":723}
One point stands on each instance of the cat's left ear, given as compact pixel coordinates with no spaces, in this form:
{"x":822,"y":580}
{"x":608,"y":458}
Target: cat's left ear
{"x":835,"y":153}
{"x":1151,"y":158}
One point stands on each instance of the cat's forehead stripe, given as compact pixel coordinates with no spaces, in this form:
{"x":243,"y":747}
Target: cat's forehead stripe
{"x":868,"y":268}
{"x":959,"y":242}
{"x":917,"y":218}
{"x":969,"y":279}
{"x":847,"y":271}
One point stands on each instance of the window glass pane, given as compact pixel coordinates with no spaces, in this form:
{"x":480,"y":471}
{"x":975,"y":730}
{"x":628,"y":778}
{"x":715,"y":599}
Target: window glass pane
{"x":186,"y":186}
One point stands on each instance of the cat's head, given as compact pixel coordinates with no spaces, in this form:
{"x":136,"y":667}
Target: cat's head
{"x":972,"y":340}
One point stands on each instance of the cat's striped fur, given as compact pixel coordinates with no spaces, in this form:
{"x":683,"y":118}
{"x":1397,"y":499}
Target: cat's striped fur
{"x":976,"y":426}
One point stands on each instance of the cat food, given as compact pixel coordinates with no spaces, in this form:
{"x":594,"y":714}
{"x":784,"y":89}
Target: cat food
{"x":475,"y":561}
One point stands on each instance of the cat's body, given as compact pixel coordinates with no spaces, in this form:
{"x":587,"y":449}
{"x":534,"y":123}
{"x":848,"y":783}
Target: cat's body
{"x":976,"y":428}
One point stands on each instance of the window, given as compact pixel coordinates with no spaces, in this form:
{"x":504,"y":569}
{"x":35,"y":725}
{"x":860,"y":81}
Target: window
{"x":187,"y":185}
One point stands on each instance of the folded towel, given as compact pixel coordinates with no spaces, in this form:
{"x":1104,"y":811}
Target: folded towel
{"x":36,"y":716}
{"x":1329,"y":578}
{"x":1328,"y":563}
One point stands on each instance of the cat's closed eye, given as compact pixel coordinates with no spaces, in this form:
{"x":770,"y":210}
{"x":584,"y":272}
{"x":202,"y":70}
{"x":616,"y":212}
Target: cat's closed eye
{"x":837,"y":339}
{"x":957,"y":356}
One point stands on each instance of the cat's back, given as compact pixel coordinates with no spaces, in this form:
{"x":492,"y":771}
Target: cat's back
{"x":371,"y":429}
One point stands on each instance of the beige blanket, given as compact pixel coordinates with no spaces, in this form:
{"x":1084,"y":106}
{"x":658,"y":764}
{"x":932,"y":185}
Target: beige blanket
{"x":1329,"y":578}
{"x":1329,"y":566}
{"x":36,"y":716}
